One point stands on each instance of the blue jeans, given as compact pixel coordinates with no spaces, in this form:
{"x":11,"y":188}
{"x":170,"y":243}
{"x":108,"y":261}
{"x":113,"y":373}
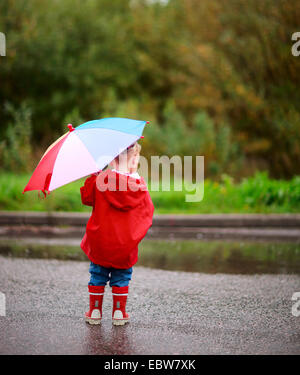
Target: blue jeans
{"x":101,"y":275}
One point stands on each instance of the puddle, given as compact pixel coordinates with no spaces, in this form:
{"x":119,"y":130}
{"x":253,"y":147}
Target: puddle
{"x":222,"y":257}
{"x":241,"y":257}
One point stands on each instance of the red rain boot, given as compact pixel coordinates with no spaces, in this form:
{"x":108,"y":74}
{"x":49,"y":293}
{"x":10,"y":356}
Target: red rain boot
{"x":119,"y":315}
{"x":94,"y":315}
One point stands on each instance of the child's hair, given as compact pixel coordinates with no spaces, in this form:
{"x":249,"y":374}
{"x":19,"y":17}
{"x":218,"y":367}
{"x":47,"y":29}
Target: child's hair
{"x":134,"y":149}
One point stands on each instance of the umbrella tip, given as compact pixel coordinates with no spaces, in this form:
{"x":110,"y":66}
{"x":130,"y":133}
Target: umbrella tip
{"x":70,"y":126}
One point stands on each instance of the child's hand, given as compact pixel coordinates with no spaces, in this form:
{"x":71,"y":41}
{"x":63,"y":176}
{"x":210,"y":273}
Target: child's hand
{"x":134,"y":163}
{"x":96,"y":173}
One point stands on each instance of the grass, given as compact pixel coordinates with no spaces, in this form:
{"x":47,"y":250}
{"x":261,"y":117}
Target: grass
{"x":257,"y":194}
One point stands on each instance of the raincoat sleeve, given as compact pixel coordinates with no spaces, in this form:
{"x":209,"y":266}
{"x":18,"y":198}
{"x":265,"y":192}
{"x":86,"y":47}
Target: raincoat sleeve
{"x":88,"y":191}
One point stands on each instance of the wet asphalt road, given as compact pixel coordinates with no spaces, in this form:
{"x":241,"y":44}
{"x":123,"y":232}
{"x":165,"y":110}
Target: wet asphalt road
{"x":171,"y":312}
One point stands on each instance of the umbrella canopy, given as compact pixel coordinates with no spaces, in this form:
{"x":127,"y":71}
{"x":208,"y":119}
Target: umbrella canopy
{"x":84,"y":150}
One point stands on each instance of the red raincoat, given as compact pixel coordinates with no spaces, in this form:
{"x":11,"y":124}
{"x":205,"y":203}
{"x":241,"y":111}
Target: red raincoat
{"x":119,"y":220}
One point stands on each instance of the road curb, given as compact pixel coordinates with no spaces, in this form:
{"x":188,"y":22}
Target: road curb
{"x":201,"y":220}
{"x":68,"y":225}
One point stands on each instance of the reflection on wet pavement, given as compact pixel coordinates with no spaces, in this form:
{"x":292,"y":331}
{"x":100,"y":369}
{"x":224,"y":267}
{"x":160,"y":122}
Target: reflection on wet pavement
{"x":171,"y":312}
{"x":243,"y":257}
{"x":222,"y":256}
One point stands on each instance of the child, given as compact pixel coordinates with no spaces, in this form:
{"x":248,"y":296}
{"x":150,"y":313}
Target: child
{"x":122,"y":214}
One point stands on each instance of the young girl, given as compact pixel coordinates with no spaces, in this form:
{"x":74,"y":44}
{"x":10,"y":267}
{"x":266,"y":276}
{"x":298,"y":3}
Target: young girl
{"x":122,"y":214}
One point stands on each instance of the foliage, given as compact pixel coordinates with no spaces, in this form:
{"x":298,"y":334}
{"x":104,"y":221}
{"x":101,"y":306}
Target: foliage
{"x":213,"y":77}
{"x":15,"y":147}
{"x":257,"y":194}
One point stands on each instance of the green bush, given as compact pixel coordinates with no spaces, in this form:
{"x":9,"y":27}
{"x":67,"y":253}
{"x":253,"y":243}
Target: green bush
{"x":225,"y":87}
{"x":15,"y":148}
{"x":256,"y":194}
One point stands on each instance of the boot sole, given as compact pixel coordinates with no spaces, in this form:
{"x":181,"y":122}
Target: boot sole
{"x":93,"y":321}
{"x":121,"y":322}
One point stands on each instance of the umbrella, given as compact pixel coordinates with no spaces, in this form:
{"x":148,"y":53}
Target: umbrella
{"x":84,"y":150}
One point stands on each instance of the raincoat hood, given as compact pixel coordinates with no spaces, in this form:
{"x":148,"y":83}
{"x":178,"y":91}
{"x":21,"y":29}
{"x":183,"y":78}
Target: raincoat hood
{"x":121,"y":191}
